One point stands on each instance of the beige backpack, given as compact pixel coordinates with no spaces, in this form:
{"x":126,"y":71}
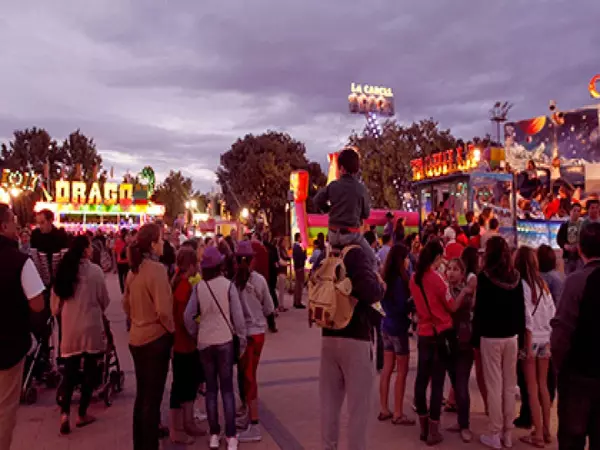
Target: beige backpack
{"x":329,"y":302}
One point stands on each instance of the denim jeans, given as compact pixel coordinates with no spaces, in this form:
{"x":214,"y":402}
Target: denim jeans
{"x":433,"y":362}
{"x":151,"y":362}
{"x":337,"y":239}
{"x":217,"y":361}
{"x":460,"y":374}
{"x":578,"y":412}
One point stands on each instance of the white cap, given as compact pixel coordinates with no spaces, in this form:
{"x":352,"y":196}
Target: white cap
{"x":450,"y":234}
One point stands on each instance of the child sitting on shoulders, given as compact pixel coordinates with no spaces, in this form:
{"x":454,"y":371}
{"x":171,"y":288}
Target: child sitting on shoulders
{"x":347,"y":202}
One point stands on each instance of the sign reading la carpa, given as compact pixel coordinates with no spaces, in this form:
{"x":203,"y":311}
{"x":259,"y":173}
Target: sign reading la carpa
{"x":77,"y":192}
{"x":367,"y":89}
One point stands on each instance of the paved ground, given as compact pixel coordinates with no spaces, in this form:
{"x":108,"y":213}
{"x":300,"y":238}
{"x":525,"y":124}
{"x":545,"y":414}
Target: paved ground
{"x":288,"y":390}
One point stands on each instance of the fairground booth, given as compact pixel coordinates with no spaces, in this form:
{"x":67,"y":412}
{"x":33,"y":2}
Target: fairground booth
{"x":78,"y":206}
{"x":453,"y":180}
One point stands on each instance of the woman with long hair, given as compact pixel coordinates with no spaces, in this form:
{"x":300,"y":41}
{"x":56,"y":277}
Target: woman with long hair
{"x":394,"y":330}
{"x":148,"y":304}
{"x":186,"y":359}
{"x":539,"y":310}
{"x":79,"y":297}
{"x":437,"y":339}
{"x":498,"y":328}
{"x":214,"y":317}
{"x":257,"y":305}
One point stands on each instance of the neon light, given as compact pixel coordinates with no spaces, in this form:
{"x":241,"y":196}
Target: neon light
{"x":593,"y":86}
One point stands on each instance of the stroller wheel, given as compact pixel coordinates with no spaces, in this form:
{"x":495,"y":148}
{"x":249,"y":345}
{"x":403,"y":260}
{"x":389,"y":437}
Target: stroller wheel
{"x":30,"y":396}
{"x":53,"y":380}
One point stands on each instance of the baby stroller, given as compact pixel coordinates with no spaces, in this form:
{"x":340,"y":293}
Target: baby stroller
{"x":109,"y":379}
{"x":39,"y":363}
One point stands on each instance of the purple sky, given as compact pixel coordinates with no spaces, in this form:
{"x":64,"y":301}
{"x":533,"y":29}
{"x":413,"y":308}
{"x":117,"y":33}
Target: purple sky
{"x":174,"y":83}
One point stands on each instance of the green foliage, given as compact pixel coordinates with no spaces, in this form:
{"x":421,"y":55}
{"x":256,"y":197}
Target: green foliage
{"x":173,"y":192}
{"x":79,"y":149}
{"x":387,"y":158}
{"x":255,"y":173}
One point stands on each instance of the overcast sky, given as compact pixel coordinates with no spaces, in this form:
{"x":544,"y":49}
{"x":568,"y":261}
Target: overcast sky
{"x":174,"y":83}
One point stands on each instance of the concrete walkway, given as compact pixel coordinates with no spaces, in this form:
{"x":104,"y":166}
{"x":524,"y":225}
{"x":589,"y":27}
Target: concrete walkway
{"x":288,"y":389}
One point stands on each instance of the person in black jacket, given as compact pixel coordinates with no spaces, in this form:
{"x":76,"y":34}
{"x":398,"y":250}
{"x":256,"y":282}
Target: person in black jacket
{"x":574,"y":345}
{"x":346,"y":362}
{"x":299,"y":259}
{"x":499,"y":330}
{"x":568,"y":238}
{"x":22,"y":292}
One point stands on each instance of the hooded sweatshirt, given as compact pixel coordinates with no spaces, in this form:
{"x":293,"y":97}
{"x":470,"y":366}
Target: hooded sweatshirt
{"x":499,"y":308}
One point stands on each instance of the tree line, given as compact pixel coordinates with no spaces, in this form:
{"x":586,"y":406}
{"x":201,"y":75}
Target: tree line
{"x":253,"y":173}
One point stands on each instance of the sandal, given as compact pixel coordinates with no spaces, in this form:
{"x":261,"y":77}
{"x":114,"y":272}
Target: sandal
{"x":547,"y":437}
{"x":533,"y":441}
{"x":382,"y":417}
{"x":403,"y":420}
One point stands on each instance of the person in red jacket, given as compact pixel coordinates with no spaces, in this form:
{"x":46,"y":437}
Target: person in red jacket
{"x":187,"y":372}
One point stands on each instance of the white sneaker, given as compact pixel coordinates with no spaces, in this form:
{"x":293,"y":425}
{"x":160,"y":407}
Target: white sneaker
{"x":232,"y":443}
{"x":507,"y":439}
{"x":214,"y":442}
{"x":250,"y":434}
{"x":491,"y":440}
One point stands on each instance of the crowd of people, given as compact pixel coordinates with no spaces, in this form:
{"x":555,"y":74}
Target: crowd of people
{"x":201,"y":308}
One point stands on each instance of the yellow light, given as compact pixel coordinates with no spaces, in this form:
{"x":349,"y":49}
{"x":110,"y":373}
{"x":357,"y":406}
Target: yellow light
{"x":477,"y":155}
{"x":187,"y":205}
{"x":15,"y":192}
{"x":194,"y":204}
{"x":245,"y":213}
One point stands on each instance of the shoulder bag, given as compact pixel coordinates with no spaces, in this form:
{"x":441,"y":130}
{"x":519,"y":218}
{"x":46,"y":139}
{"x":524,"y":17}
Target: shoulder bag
{"x":236,"y":339}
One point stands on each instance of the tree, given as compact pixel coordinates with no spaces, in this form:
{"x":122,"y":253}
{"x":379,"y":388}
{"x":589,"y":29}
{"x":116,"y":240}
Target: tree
{"x":255,"y":174}
{"x":79,"y":150}
{"x":385,"y":160}
{"x":173,"y":193}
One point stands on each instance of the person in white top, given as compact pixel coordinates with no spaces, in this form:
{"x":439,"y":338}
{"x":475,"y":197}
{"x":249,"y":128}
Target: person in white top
{"x":214,"y":314}
{"x":539,"y":310}
{"x":22,"y":290}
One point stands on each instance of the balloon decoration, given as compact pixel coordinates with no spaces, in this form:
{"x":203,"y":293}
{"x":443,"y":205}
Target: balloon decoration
{"x":533,"y":126}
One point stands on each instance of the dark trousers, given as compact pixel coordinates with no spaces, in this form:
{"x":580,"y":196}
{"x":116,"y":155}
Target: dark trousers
{"x":578,"y":412}
{"x":73,"y":377}
{"x":433,"y":362}
{"x":122,"y":269}
{"x":187,"y":374}
{"x":273,"y":290}
{"x":525,"y":411}
{"x":217,"y":361}
{"x":460,"y":374}
{"x":299,"y":287}
{"x":378,"y":348}
{"x":151,"y":362}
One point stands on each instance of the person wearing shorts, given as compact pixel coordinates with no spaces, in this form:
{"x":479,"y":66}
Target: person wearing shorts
{"x":535,"y":359}
{"x":394,"y":334}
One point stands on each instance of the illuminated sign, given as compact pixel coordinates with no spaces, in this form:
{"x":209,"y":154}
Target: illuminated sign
{"x":445,"y":163}
{"x":77,"y":192}
{"x":366,"y":98}
{"x":14,"y":179}
{"x":593,"y":86}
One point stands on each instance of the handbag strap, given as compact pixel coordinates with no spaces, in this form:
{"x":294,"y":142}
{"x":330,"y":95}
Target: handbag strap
{"x":429,"y":309}
{"x":219,"y":306}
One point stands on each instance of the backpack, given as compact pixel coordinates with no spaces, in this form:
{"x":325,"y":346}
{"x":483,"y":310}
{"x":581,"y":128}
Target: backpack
{"x":330,"y":304}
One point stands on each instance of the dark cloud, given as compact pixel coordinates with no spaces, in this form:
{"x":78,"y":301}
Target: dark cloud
{"x":161,"y":78}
